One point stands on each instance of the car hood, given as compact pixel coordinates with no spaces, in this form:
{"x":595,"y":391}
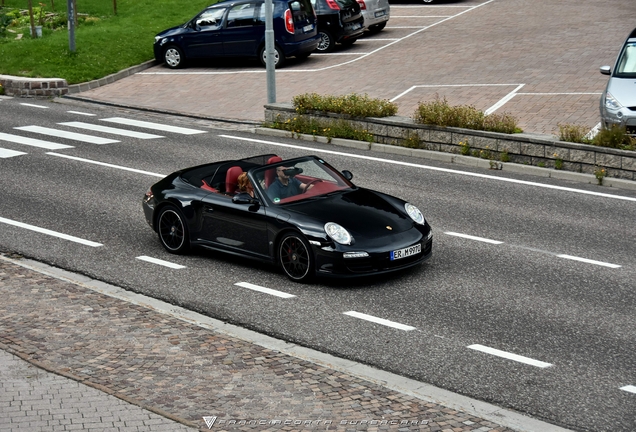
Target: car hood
{"x":362,"y":212}
{"x":173,"y":31}
{"x":624,"y":90}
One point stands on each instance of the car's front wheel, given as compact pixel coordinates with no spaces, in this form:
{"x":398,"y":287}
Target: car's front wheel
{"x":295,"y":258}
{"x":279,"y":57}
{"x":173,"y":231}
{"x":327,"y":42}
{"x":173,"y":57}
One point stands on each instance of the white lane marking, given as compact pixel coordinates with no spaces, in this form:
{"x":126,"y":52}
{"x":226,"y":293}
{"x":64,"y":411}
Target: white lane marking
{"x":106,"y":164}
{"x":629,"y":388}
{"x":421,"y":16}
{"x":589,"y":261}
{"x":6,"y":153}
{"x":81,"y":113}
{"x":33,"y":142}
{"x":509,"y":356}
{"x":160,"y":262}
{"x":451,"y":85}
{"x":379,"y":320}
{"x":156,"y":126}
{"x":264,"y":290}
{"x":503,"y":100}
{"x":466,"y":236}
{"x":340,"y":54}
{"x":432,"y":168}
{"x":111,"y":130}
{"x":32,"y":105}
{"x":67,"y":135}
{"x":49,"y":232}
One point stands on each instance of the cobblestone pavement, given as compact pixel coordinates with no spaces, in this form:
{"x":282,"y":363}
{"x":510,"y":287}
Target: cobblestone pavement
{"x":541,"y":58}
{"x":74,"y":358}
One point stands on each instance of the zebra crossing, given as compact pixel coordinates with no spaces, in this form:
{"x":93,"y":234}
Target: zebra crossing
{"x":24,"y":135}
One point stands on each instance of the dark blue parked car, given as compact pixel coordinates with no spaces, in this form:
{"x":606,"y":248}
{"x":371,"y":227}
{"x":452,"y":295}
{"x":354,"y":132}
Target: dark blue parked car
{"x":237,"y":29}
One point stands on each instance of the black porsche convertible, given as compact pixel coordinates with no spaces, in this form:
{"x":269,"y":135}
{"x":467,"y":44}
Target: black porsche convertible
{"x":300,"y":213}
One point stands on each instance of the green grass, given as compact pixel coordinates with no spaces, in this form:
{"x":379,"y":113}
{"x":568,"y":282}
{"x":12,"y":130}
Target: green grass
{"x":105,"y":43}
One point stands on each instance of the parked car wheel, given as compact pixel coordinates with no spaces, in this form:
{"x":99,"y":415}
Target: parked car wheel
{"x":173,"y":232}
{"x":279,"y":57}
{"x":173,"y":57}
{"x":327,"y":42}
{"x":295,"y":258}
{"x":377,"y":28}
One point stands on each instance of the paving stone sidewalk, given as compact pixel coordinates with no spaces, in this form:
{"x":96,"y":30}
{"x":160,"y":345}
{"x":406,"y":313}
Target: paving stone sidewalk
{"x":73,"y":358}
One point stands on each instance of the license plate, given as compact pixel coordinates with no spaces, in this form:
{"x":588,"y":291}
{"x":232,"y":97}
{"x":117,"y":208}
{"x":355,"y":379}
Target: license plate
{"x":406,"y":252}
{"x":308,"y":28}
{"x":356,"y":26}
{"x":379,"y":14}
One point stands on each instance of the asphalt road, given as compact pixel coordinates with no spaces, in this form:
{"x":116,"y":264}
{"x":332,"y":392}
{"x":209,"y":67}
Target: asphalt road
{"x":519,"y":285}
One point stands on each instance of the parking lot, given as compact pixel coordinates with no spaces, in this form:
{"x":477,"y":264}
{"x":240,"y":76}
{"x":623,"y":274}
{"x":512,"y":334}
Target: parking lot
{"x":538,"y":61}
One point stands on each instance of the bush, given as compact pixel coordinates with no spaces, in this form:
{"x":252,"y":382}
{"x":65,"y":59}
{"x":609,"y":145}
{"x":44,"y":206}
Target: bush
{"x":337,"y":128}
{"x":353,"y":104}
{"x":614,"y":137}
{"x":574,"y":133}
{"x":438,"y":112}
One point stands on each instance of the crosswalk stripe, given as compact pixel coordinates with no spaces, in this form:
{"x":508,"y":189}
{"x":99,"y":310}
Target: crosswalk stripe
{"x":6,"y":153}
{"x":150,"y":125}
{"x":111,"y":130}
{"x":33,"y":142}
{"x":68,"y":135}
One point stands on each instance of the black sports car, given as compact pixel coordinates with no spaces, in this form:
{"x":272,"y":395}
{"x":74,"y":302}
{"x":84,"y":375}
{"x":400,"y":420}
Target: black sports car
{"x":300,"y":213}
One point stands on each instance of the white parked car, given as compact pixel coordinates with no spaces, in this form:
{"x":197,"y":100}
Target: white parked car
{"x":376,"y":14}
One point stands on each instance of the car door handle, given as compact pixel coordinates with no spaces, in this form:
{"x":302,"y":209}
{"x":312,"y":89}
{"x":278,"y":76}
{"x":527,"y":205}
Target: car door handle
{"x":208,"y":209}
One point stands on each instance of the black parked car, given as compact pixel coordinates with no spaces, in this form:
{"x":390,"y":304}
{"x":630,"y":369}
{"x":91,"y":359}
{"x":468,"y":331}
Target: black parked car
{"x":237,"y":29}
{"x":301,"y":214}
{"x":339,"y":21}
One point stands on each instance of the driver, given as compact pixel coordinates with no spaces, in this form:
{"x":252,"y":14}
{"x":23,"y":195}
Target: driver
{"x":285,"y":185}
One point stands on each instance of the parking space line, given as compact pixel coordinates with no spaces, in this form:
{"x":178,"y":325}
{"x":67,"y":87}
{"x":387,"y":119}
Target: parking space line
{"x":503,"y":100}
{"x":49,"y":232}
{"x":509,"y":356}
{"x":469,"y":237}
{"x":264,"y":290}
{"x":379,"y":320}
{"x":589,"y":261}
{"x":160,"y":262}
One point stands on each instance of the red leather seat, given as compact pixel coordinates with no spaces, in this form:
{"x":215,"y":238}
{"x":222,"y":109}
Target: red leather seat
{"x":231,"y":179}
{"x":270,"y":175}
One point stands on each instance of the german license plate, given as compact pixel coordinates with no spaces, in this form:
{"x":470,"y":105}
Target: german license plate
{"x":379,"y":14}
{"x":406,"y":252}
{"x":308,"y":28}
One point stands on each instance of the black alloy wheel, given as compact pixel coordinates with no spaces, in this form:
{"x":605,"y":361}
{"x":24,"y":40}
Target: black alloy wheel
{"x":279,"y":57}
{"x":327,"y":42}
{"x":295,"y":258}
{"x":173,"y":233}
{"x":173,"y":57}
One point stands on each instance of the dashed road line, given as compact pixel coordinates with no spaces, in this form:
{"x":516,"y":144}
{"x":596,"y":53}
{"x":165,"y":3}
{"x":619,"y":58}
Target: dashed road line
{"x":18,"y":139}
{"x":589,"y":261}
{"x":470,"y":237}
{"x":381,"y":321}
{"x":111,"y":130}
{"x":264,"y":290}
{"x":82,"y":113}
{"x":160,"y":262}
{"x":91,"y":139}
{"x":509,"y":356}
{"x":629,"y":388}
{"x":33,"y":105}
{"x":50,"y":232}
{"x":156,"y":126}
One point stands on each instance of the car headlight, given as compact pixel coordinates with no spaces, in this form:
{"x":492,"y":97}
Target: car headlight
{"x":157,"y":39}
{"x":338,"y":233}
{"x":611,"y":102}
{"x":414,"y":213}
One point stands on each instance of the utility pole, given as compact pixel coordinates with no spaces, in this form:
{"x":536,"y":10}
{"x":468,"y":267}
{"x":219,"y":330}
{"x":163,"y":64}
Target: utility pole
{"x":71,"y":25}
{"x":270,"y":61}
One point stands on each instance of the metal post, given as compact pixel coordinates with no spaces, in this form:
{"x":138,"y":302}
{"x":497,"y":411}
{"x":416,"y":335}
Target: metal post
{"x":269,"y":50}
{"x":71,"y":25}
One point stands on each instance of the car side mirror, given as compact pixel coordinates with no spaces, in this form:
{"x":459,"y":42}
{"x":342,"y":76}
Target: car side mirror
{"x":347,"y":174}
{"x":606,"y":70}
{"x":244,"y":198}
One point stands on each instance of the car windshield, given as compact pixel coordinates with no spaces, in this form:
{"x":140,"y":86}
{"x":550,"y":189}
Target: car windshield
{"x":626,"y":65}
{"x":297,"y":180}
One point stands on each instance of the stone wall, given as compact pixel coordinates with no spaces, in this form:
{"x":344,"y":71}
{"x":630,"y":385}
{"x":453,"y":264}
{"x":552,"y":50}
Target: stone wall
{"x":33,"y":87}
{"x":527,"y":149}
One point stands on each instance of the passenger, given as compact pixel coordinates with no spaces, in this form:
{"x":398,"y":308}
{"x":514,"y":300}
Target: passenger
{"x":245,"y":185}
{"x":285,"y":186}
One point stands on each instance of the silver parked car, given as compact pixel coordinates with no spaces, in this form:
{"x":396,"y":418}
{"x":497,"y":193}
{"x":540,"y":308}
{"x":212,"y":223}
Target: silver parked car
{"x":618,"y":102}
{"x":376,"y":14}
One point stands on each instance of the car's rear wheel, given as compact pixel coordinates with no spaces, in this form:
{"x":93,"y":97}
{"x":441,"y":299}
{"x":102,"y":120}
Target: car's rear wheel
{"x":295,"y":258}
{"x":327,"y":42}
{"x":173,"y":231}
{"x":173,"y":57}
{"x":279,"y":57}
